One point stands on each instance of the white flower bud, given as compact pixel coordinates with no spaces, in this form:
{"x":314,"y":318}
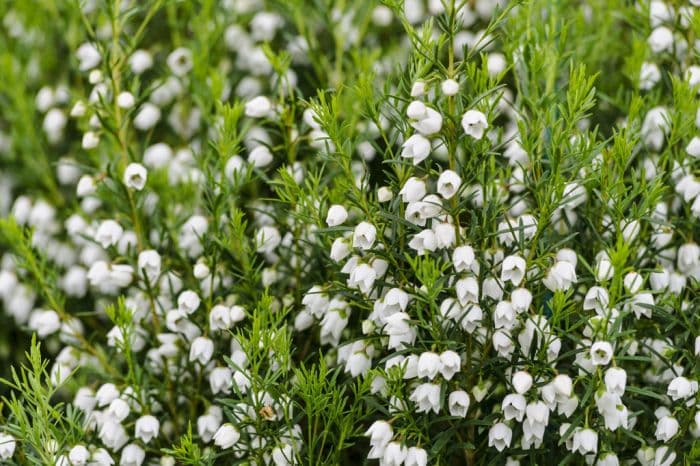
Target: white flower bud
{"x":449,"y":87}
{"x":522,"y":382}
{"x":258,"y":107}
{"x":125,"y":100}
{"x":226,"y":436}
{"x":336,"y":215}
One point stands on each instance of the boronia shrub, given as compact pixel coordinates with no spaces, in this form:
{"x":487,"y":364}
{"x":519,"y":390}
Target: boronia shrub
{"x":325,"y":232}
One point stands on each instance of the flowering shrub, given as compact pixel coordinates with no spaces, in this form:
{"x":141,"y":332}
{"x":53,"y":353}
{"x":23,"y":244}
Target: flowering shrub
{"x":322,"y":232}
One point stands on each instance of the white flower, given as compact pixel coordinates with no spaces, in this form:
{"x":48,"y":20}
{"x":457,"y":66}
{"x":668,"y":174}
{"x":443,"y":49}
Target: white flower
{"x":336,"y":215}
{"x":364,"y":236}
{"x":655,"y":127}
{"x":132,"y":455}
{"x":284,"y":455}
{"x":418,"y":89}
{"x":427,"y":398}
{"x":88,"y":56}
{"x":7,"y":446}
{"x":135,"y":176}
{"x":458,"y":403}
{"x":596,"y":298}
{"x":520,"y":299}
{"x":449,"y":87}
{"x":429,"y":365}
{"x":500,"y":436}
{"x":220,"y":318}
{"x":258,"y":107}
{"x":140,"y":61}
{"x":260,"y":156}
{"x":380,"y":433}
{"x":563,"y":385}
{"x":108,"y":233}
{"x":226,"y":436}
{"x":267,"y":239}
{"x":188,"y":301}
{"x":448,"y":184}
{"x":416,"y":148}
{"x":358,"y":363}
{"x":649,"y":75}
{"x":513,"y":269}
{"x":90,"y":140}
{"x":413,"y":190}
{"x":394,"y":454}
{"x":513,"y":407}
{"x":601,"y":353}
{"x":504,"y":315}
{"x":666,"y":428}
{"x":503,"y":343}
{"x":237,"y":314}
{"x":180,"y":61}
{"x":429,"y":123}
{"x":608,"y":459}
{"x":340,"y":249}
{"x":474,"y":123}
{"x":113,"y":435}
{"x":417,"y":110}
{"x":78,"y":455}
{"x":208,"y":425}
{"x":604,"y":270}
{"x":147,"y":428}
{"x":660,"y":39}
{"x":445,"y":235}
{"x":384,"y":194}
{"x":616,"y":380}
{"x":640,"y":304}
{"x":693,"y":147}
{"x":585,"y":441}
{"x":147,"y":117}
{"x":662,"y":457}
{"x":416,"y":457}
{"x":362,"y":277}
{"x":681,"y":388}
{"x":561,"y":276}
{"x":125,"y":100}
{"x":463,"y":259}
{"x":689,"y":259}
{"x":521,"y":381}
{"x":332,"y":326}
{"x":86,"y":186}
{"x":633,"y":282}
{"x":450,"y":364}
{"x":118,"y":409}
{"x":467,"y":290}
{"x":201,"y":350}
{"x":44,"y":323}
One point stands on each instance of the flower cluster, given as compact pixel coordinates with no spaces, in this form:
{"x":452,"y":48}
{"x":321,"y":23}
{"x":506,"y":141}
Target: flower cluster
{"x":418,"y":232}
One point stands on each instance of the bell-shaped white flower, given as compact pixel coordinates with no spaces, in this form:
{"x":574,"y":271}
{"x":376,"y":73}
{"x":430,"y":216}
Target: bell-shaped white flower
{"x":474,"y":123}
{"x":513,"y":269}
{"x":500,"y":436}
{"x":448,"y":184}
{"x":458,"y":403}
{"x":364,"y":236}
{"x":426,"y":396}
{"x":226,"y":436}
{"x":416,"y":148}
{"x":601,"y":353}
